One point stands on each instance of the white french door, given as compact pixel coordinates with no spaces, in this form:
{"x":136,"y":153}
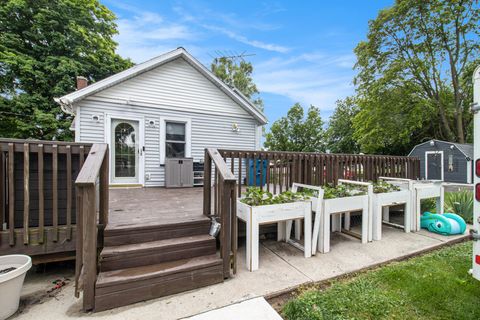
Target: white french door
{"x":125,"y":146}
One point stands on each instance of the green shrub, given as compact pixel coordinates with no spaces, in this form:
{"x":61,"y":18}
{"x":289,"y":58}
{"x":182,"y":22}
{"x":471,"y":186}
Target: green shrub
{"x":429,"y":205}
{"x":461,"y":203}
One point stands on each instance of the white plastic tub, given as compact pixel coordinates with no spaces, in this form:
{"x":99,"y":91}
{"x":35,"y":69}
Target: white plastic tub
{"x":11,"y":282}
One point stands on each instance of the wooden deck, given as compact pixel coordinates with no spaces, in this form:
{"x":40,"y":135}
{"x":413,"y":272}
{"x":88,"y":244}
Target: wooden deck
{"x":154,"y":206}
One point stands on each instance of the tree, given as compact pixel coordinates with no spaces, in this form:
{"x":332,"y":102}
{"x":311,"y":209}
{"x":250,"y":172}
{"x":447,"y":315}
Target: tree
{"x":238,"y":75}
{"x":410,"y":72}
{"x":44,"y":45}
{"x":392,"y":121}
{"x":340,"y":131}
{"x":297,"y":133}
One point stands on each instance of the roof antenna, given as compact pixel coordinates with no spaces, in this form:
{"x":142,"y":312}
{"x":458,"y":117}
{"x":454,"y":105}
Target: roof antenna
{"x":229,"y":54}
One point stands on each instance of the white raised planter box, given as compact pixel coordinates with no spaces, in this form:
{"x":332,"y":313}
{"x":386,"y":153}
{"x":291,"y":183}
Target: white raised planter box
{"x":335,"y":208}
{"x":381,"y":203}
{"x":275,"y":213}
{"x":11,"y":282}
{"x":426,"y":190}
{"x":420,"y":190}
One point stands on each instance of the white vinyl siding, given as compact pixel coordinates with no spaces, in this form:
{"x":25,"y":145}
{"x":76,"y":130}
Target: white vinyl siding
{"x":175,"y":86}
{"x":207,"y":131}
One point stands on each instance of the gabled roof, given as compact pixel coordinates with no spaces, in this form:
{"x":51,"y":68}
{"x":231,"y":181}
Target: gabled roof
{"x":68,"y":100}
{"x":465,"y":148}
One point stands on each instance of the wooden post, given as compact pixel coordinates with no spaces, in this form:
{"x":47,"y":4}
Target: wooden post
{"x":81,"y":156}
{"x":207,"y":184}
{"x":41,"y":200}
{"x":227,"y":226}
{"x":3,"y":187}
{"x":11,"y":193}
{"x":55,"y":191}
{"x":79,"y":240}
{"x":104,"y":183}
{"x":234,"y":227}
{"x":26,"y":191}
{"x":254,"y":169}
{"x":275,"y":175}
{"x":69,"y":192}
{"x":240,"y":174}
{"x":89,"y":248}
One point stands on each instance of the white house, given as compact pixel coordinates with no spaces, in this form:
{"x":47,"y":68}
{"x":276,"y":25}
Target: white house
{"x":169,"y":106}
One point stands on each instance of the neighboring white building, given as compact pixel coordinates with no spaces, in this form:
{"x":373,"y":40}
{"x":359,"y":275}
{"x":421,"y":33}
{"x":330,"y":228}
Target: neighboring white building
{"x":169,"y":106}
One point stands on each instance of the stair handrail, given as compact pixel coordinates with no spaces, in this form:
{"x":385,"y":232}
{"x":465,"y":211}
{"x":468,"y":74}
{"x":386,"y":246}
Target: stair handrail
{"x":224,"y":208}
{"x":94,"y":173}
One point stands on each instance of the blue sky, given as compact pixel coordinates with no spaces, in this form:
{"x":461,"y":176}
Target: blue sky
{"x":303,"y":50}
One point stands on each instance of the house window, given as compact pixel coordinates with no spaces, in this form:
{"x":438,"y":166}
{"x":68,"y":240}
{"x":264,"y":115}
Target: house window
{"x":175,"y":139}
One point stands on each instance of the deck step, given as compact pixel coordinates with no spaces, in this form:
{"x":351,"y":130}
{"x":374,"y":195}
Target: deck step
{"x":122,"y":287}
{"x":123,"y":235}
{"x":154,"y":252}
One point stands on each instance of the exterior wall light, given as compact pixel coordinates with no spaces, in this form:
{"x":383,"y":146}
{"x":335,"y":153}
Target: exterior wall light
{"x":235,"y":127}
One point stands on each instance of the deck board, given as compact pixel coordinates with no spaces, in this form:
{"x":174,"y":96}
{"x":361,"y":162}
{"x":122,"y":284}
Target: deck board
{"x":147,"y":206}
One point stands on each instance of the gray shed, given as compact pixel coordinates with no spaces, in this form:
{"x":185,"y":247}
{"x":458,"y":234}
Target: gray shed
{"x":443,"y":160}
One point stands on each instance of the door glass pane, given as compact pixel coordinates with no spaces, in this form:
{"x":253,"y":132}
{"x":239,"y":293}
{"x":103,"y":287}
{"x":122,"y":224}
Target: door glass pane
{"x":175,"y":150}
{"x":175,"y":131}
{"x":125,"y":151}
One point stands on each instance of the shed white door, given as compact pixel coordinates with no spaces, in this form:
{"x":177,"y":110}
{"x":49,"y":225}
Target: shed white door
{"x":125,"y":151}
{"x":434,"y":165}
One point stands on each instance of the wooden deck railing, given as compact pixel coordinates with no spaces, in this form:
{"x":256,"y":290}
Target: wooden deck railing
{"x":281,"y":169}
{"x":92,"y":216}
{"x":37,"y":208}
{"x":224,"y":206}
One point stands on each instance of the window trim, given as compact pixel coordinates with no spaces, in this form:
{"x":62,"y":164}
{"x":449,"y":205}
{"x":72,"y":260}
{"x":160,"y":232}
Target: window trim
{"x":163,"y":138}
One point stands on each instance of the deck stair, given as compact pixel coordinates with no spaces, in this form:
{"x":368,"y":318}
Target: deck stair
{"x":144,"y":262}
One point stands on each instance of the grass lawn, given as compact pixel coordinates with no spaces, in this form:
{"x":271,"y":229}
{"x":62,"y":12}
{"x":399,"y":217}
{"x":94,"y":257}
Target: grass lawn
{"x":433,"y":286}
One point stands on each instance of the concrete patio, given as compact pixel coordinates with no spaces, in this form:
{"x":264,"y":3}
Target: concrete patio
{"x":282,"y":267}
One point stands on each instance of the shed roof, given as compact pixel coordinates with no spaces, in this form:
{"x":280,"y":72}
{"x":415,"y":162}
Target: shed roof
{"x":67,"y":100}
{"x":465,"y":148}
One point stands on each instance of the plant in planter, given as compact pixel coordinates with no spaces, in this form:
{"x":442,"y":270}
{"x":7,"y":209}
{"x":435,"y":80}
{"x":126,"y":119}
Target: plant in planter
{"x":382,"y":186}
{"x":334,"y":206}
{"x":261,"y":207}
{"x":342,"y":191}
{"x":254,"y":196}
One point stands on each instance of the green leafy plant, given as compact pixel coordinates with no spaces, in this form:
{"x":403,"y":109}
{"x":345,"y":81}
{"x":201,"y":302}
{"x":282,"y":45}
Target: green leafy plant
{"x":383,"y":187}
{"x":254,"y":196}
{"x":461,"y":203}
{"x":429,"y":205}
{"x":342,"y":191}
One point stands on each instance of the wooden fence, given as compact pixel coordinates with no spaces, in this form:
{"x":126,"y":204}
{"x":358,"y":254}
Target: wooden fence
{"x":281,"y":169}
{"x":37,"y":206}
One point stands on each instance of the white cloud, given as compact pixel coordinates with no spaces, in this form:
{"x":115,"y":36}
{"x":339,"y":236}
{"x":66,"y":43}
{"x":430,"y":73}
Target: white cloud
{"x":312,"y":78}
{"x":147,"y":34}
{"x":245,"y":40}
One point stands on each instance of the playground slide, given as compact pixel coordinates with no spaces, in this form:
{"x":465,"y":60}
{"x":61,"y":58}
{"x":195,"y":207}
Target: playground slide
{"x":446,"y":224}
